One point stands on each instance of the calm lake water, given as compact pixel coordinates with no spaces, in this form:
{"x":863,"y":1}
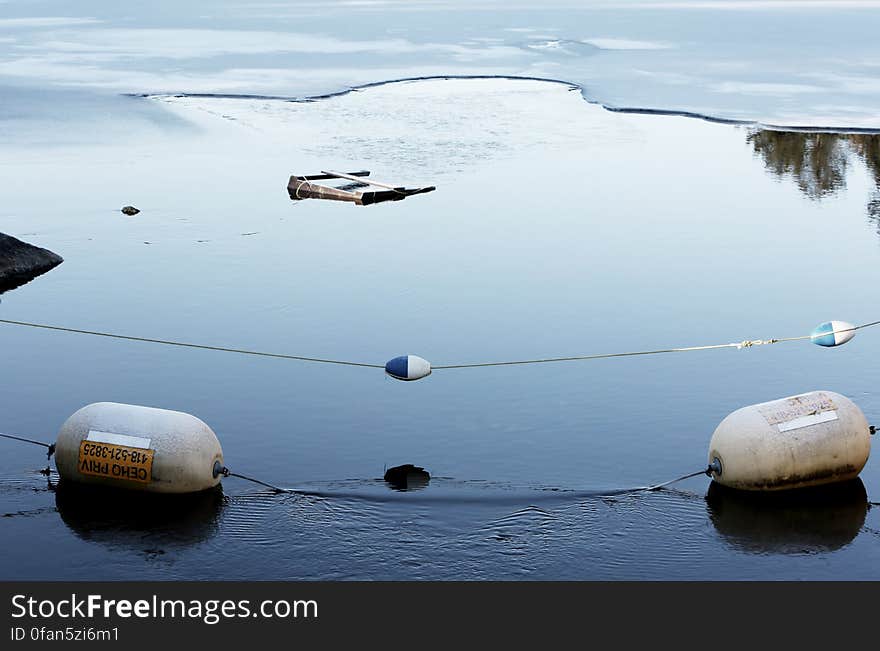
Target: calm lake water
{"x":557,"y":228}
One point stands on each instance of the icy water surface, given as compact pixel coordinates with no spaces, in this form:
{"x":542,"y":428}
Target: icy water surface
{"x":557,"y":228}
{"x":784,"y":62}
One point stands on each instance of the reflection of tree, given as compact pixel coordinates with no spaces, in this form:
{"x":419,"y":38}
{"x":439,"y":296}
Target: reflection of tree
{"x":868,"y":149}
{"x":867,"y":146}
{"x":874,"y":207}
{"x":817,"y":162}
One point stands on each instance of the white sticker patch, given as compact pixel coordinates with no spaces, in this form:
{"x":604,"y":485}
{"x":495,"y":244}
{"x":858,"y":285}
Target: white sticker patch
{"x":806,"y":421}
{"x":799,"y":411}
{"x":118,"y":439}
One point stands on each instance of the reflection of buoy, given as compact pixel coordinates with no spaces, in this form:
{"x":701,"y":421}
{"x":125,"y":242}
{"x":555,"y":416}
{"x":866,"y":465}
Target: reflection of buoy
{"x":833,"y":333}
{"x":806,"y":520}
{"x":140,"y":448}
{"x":805,"y":440}
{"x":142,"y":522}
{"x":408,"y":367}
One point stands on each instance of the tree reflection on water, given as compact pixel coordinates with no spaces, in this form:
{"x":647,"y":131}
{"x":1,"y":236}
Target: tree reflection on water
{"x":818,"y":162}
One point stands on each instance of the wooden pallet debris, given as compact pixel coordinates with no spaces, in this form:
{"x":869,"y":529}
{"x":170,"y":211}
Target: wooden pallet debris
{"x":302,"y":187}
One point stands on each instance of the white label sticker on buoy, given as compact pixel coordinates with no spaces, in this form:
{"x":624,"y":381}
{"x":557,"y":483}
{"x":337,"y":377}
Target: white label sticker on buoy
{"x":119,"y":439}
{"x":799,"y":411}
{"x":806,"y":421}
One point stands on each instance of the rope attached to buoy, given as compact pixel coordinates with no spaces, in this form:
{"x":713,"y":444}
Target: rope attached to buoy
{"x":707,"y":472}
{"x":228,"y":473}
{"x":168,"y":342}
{"x":225,"y":472}
{"x":24,"y":440}
{"x":827,"y":334}
{"x":50,"y":448}
{"x":748,"y":343}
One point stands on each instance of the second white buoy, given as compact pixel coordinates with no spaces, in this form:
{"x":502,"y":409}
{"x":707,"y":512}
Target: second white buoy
{"x":805,"y":440}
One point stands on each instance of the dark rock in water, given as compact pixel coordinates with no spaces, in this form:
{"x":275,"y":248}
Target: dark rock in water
{"x":407,"y":477}
{"x":21,"y":262}
{"x":130,"y":210}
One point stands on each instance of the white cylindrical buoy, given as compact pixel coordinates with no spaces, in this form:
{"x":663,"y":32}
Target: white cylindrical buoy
{"x":408,"y":367}
{"x":832,"y":333}
{"x":806,"y":440}
{"x":140,"y":448}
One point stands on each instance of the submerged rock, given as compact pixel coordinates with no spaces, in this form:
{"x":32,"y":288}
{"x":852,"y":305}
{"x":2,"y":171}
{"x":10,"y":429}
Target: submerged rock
{"x":130,"y":210}
{"x":407,"y":477}
{"x":21,"y":262}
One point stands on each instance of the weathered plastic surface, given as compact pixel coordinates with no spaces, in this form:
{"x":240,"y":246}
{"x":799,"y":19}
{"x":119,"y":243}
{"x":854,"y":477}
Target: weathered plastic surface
{"x":138,"y":448}
{"x":810,"y":439}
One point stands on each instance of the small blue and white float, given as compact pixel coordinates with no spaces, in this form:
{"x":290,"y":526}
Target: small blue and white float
{"x":408,"y":368}
{"x":833,"y":333}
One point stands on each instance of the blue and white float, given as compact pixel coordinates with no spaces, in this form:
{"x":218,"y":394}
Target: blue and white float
{"x":833,"y":333}
{"x":408,"y":368}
